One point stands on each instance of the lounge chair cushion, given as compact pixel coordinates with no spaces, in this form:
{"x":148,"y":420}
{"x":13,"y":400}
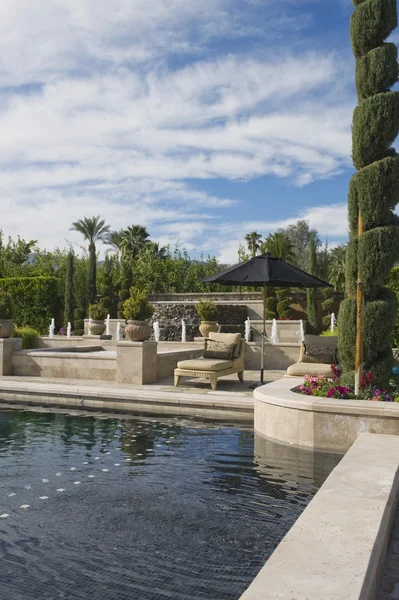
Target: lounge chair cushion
{"x":204,"y":364}
{"x":228,"y":338}
{"x":218,"y":350}
{"x":300,"y":369}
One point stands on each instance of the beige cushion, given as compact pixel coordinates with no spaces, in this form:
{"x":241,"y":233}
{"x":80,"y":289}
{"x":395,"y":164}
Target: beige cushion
{"x":204,"y":364}
{"x":228,"y":338}
{"x":300,"y":369}
{"x":219,"y":350}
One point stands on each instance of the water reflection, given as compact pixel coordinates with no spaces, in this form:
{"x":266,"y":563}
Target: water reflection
{"x":142,"y":508}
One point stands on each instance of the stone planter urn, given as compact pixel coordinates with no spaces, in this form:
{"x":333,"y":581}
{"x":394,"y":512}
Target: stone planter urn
{"x":96,"y":327}
{"x":137,"y":331}
{"x":207,"y":326}
{"x":7,"y":328}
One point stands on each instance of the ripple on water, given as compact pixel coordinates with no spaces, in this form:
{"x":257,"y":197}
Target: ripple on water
{"x":197,"y":523}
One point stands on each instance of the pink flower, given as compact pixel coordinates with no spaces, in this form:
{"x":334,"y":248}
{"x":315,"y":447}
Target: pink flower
{"x":330,"y":392}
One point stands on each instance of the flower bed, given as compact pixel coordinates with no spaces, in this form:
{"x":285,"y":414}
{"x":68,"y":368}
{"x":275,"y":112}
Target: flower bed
{"x":327,"y":388}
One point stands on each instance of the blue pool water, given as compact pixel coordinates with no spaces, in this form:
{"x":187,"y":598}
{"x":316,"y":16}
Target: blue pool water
{"x":128,"y":508}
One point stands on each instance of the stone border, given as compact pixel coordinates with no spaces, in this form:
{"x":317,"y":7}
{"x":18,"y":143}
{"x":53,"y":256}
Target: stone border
{"x":336,"y":549}
{"x":214,"y":405}
{"x":318,"y":423}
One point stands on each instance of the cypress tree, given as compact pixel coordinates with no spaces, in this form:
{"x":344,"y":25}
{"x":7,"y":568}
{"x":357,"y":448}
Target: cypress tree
{"x":311,"y":294}
{"x":107,"y":292}
{"x":69,"y":302}
{"x":373,"y":193}
{"x":126,"y":284}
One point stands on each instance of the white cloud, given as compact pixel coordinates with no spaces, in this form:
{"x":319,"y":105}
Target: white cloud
{"x":120,"y":108}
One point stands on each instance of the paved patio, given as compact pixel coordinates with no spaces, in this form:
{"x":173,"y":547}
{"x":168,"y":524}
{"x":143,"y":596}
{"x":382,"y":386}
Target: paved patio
{"x":232,"y":399}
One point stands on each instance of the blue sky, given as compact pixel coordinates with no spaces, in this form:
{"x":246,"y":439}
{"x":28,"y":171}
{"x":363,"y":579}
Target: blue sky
{"x":201,"y":120}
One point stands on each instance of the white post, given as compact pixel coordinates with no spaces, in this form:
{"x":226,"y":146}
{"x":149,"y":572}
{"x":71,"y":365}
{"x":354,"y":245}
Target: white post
{"x":183,"y":331}
{"x":301,"y":332}
{"x":118,"y":331}
{"x":247,"y":330}
{"x":333,"y":322}
{"x":69,"y":330}
{"x":156,"y":330}
{"x":51,"y":328}
{"x":107,"y":325}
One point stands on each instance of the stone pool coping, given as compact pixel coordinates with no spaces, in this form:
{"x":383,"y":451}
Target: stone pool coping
{"x":110,"y":396}
{"x":324,"y":424}
{"x":336,"y":549}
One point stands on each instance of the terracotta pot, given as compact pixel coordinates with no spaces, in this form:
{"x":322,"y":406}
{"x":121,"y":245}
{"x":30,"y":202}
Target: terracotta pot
{"x":207,"y":326}
{"x":96,"y":327}
{"x":137,"y":331}
{"x":7,"y":328}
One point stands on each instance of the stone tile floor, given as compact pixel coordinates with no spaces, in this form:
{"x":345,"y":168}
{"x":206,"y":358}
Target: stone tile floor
{"x":389,"y":586}
{"x":227,"y":386}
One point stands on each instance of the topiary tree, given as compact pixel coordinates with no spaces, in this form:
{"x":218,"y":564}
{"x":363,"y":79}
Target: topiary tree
{"x":367,"y":315}
{"x":69,"y":300}
{"x":106,"y":289}
{"x":311,"y":293}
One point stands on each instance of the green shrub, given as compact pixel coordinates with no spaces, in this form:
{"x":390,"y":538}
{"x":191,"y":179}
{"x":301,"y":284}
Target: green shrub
{"x":36,"y":300}
{"x":97,"y":312}
{"x":377,"y":71}
{"x":79,"y":332}
{"x":206,"y":310}
{"x":329,"y":333}
{"x":375,"y":127}
{"x":137,"y":307}
{"x":371,"y":24}
{"x":78,"y":317}
{"x":271,"y":307}
{"x":29,"y":337}
{"x":6,"y":305}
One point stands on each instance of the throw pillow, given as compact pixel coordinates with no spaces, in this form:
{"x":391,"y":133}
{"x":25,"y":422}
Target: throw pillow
{"x":218,"y":350}
{"x":326,"y":355}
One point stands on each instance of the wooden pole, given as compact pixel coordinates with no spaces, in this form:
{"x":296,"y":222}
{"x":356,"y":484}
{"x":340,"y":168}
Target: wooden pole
{"x":359,"y":311}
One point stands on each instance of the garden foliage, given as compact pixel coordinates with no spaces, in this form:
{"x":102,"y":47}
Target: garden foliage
{"x":35,"y":300}
{"x":373,"y":191}
{"x":28,"y":335}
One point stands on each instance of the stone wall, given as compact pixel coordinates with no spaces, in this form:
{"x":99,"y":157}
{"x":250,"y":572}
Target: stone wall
{"x":231,"y":318}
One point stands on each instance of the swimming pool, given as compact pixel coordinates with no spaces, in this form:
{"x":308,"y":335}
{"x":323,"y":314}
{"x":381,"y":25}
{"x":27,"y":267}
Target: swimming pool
{"x":131,"y":508}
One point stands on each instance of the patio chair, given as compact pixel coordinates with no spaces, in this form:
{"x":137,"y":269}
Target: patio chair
{"x":213,"y":368}
{"x":317,"y":355}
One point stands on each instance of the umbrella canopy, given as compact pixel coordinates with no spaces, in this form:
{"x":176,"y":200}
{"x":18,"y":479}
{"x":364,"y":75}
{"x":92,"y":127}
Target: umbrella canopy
{"x":266,"y":270}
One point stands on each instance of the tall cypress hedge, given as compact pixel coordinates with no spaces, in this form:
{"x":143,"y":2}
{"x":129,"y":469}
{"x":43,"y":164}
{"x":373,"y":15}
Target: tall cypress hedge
{"x":35,"y":299}
{"x":69,"y":298}
{"x":373,"y":190}
{"x":311,"y":293}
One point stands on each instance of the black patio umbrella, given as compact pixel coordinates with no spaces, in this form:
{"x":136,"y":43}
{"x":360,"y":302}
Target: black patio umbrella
{"x":266,"y":271}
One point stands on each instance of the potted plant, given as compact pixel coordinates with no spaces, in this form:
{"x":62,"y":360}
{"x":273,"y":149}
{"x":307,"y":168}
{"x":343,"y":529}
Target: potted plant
{"x":7,"y":326}
{"x":137,"y":310}
{"x":207,"y":313}
{"x":97,"y":314}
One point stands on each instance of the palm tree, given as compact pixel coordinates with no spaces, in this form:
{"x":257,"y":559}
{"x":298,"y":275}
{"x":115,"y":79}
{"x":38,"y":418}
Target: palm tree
{"x":337,"y":267}
{"x":253,"y":240}
{"x":156,"y":250}
{"x":114,"y":239}
{"x":134,"y":239}
{"x":93,"y":230}
{"x":280,"y":245}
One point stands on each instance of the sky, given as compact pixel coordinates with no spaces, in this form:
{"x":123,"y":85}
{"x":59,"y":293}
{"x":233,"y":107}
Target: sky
{"x":202,"y":121}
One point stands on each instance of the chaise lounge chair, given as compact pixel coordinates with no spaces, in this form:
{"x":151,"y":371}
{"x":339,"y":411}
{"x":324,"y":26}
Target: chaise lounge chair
{"x":212,"y":368}
{"x":317,"y":355}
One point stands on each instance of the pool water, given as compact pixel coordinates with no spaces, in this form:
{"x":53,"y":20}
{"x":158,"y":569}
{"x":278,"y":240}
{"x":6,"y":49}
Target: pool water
{"x":127,"y":508}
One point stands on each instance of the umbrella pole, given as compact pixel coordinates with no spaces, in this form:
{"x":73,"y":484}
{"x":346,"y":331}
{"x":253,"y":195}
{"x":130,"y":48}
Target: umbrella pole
{"x":262,"y":356}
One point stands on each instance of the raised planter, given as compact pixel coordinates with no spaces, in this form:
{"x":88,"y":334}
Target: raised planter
{"x":322,"y":424}
{"x":137,"y":331}
{"x":7,"y":328}
{"x":206,"y":327}
{"x":96,"y":327}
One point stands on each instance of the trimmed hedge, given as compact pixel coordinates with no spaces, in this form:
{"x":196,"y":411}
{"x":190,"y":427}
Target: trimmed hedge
{"x":377,"y":71}
{"x":373,"y":192}
{"x":371,"y":24}
{"x":35,"y":300}
{"x":375,"y":127}
{"x":28,"y":335}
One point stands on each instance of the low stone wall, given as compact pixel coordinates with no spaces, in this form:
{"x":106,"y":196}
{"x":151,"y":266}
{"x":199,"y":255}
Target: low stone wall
{"x":337,"y":547}
{"x":323,"y":424}
{"x":68,"y":365}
